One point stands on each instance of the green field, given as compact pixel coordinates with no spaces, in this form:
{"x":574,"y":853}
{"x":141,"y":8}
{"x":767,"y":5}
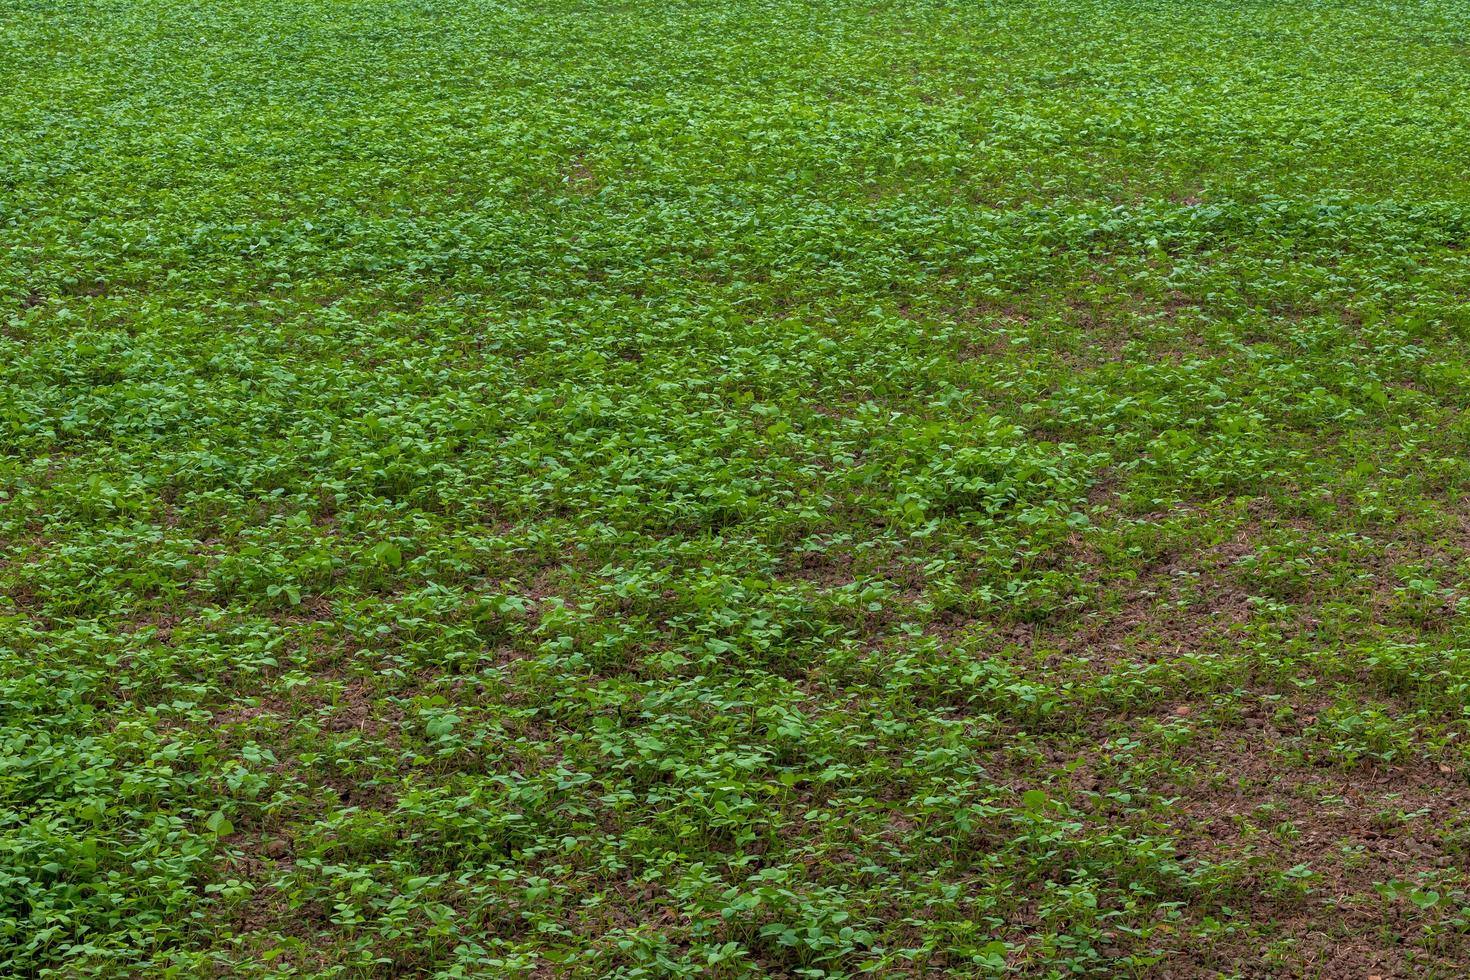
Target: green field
{"x":754,"y":488}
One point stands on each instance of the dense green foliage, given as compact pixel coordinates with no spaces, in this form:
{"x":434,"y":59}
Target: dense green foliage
{"x":734,"y":488}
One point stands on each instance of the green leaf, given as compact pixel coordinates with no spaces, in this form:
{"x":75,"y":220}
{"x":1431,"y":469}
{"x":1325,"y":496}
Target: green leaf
{"x":1426,"y":899}
{"x":219,"y":825}
{"x":386,"y":553}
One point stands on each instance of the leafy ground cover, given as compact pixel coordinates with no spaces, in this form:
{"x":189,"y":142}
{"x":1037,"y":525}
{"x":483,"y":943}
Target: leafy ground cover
{"x":746,"y":488}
